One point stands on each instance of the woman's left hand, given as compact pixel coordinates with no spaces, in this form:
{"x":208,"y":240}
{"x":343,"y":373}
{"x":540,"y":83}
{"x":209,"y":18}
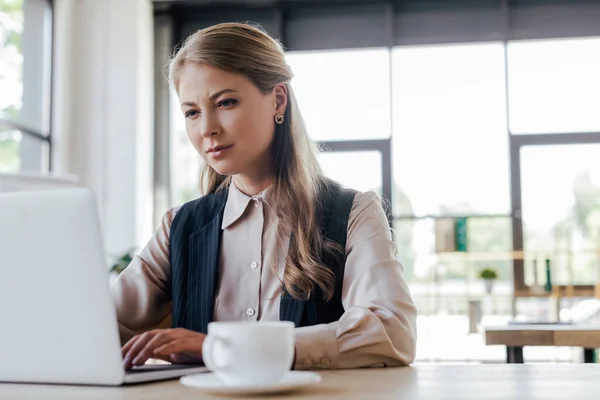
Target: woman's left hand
{"x":174,"y":345}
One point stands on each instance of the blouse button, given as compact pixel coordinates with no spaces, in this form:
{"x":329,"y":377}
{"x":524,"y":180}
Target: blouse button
{"x":249,"y":312}
{"x":253,"y":265}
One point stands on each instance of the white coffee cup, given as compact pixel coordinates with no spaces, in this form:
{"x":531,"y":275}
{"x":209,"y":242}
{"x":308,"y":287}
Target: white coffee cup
{"x":249,"y":353}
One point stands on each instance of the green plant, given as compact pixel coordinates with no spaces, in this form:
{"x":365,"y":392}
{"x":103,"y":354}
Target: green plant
{"x":488,"y":273}
{"x":123,"y":262}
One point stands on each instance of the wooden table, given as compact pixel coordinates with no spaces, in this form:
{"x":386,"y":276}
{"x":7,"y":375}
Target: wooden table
{"x":514,"y":337}
{"x":423,"y":382}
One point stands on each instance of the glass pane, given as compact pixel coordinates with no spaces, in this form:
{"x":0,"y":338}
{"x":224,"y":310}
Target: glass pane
{"x":554,"y":86}
{"x":11,"y":58}
{"x":10,"y":145}
{"x":185,"y":161}
{"x":492,"y":235}
{"x":489,"y":245}
{"x":450,"y":138}
{"x":343,"y":95}
{"x":357,"y":170}
{"x":561,"y":211}
{"x":453,"y":277}
{"x":415,"y":241}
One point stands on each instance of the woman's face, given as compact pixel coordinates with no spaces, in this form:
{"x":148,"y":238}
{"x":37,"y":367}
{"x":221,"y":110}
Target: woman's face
{"x":229,"y":120}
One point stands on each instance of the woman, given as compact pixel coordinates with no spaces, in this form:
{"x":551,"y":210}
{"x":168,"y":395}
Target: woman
{"x":271,"y":238}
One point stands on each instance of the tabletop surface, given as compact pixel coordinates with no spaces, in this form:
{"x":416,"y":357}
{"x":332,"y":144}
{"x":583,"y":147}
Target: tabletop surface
{"x":423,"y":382}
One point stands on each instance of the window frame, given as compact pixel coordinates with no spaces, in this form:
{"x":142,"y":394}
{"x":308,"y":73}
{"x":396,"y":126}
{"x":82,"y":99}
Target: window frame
{"x":36,"y":145}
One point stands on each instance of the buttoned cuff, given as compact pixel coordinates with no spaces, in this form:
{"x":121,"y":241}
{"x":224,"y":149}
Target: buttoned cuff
{"x":316,"y":347}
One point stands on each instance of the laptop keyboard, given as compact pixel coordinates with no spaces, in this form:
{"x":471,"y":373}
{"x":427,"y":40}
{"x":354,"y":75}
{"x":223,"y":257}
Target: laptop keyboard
{"x":140,"y":369}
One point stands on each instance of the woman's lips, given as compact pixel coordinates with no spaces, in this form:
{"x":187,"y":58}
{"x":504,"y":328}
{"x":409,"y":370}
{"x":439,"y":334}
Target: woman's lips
{"x":219,"y":151}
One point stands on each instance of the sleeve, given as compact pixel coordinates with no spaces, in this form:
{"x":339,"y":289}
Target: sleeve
{"x":141,"y":292}
{"x":378,"y":327}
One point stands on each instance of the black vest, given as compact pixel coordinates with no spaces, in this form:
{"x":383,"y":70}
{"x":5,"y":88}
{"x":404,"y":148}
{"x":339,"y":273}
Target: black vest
{"x":195,"y":242}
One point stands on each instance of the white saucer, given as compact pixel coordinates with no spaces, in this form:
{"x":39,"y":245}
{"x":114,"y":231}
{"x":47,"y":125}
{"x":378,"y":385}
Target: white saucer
{"x":292,"y":380}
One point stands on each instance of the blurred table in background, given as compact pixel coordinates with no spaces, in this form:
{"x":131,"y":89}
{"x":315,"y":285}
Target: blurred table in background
{"x":516,"y":336}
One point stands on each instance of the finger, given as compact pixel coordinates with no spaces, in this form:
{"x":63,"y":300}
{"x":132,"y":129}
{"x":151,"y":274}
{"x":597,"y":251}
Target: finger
{"x":136,"y":347}
{"x":191,"y":342}
{"x":128,"y":345}
{"x":160,"y":350}
{"x":187,"y":341}
{"x":126,"y":349}
{"x":148,"y":351}
{"x":190,"y":345}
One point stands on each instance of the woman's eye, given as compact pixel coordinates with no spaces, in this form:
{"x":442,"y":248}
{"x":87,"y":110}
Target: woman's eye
{"x":190,"y":113}
{"x":227,"y":103}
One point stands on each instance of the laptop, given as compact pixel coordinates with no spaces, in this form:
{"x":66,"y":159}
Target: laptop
{"x":58,"y":321}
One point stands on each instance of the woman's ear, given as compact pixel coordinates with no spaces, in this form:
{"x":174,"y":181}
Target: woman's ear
{"x":280,"y":94}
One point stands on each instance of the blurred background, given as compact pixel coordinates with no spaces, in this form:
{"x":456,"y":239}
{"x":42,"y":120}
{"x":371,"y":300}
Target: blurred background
{"x":478,"y":119}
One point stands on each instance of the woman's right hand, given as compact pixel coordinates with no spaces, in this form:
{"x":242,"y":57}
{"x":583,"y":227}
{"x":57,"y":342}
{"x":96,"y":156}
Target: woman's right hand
{"x":178,"y":346}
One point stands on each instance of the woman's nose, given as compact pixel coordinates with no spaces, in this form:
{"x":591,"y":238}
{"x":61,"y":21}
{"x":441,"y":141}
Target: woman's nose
{"x":209,"y":126}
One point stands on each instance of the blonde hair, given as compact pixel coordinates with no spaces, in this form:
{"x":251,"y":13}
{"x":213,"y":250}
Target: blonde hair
{"x":297,"y":177}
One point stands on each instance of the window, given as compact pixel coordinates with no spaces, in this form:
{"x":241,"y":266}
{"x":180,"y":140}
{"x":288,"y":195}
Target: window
{"x":25,"y":46}
{"x":358,"y":170}
{"x":10,"y":146}
{"x":561,"y":209}
{"x":450,"y":140}
{"x":343,"y":95}
{"x":11,"y":81}
{"x":185,"y":161}
{"x":451,"y":158}
{"x":554,"y":86}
